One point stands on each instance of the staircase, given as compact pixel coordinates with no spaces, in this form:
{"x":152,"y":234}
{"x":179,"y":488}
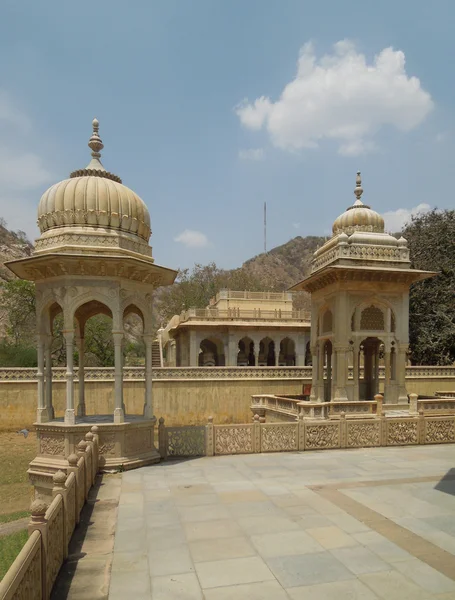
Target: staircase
{"x":156,"y":358}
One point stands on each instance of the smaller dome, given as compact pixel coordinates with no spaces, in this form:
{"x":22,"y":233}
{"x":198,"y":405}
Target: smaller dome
{"x":359,"y":216}
{"x":94,"y":198}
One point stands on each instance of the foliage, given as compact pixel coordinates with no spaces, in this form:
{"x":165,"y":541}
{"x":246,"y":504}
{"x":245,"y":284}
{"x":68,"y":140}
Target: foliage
{"x":17,"y":355}
{"x":194,"y":289}
{"x":431,"y":239}
{"x":18,"y":303}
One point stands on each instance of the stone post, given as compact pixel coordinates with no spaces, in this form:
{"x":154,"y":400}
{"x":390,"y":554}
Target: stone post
{"x":72,"y":468}
{"x":70,"y":417}
{"x":58,"y":487}
{"x":48,"y":363}
{"x":96,"y":447}
{"x":301,"y":432}
{"x":89,"y":440}
{"x":148,"y":401}
{"x":343,"y":430}
{"x":119,"y":414}
{"x":81,"y":411}
{"x":162,"y":438}
{"x":256,"y":434}
{"x":209,"y":438}
{"x":38,"y":522}
{"x":401,"y":374}
{"x":413,"y":404}
{"x":379,"y":399}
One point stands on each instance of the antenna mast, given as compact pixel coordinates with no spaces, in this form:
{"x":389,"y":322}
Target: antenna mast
{"x":265,"y":227}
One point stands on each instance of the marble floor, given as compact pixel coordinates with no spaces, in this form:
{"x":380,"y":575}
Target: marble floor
{"x":342,"y":524}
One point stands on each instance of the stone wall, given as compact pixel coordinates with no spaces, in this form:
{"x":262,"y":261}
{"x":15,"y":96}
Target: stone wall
{"x":185,"y":396}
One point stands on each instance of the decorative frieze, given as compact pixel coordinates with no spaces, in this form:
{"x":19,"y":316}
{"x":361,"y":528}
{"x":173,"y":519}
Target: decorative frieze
{"x":363,"y":435}
{"x":320,"y":436}
{"x":279,"y":438}
{"x":440,"y":431}
{"x":233,"y":439}
{"x":401,"y":432}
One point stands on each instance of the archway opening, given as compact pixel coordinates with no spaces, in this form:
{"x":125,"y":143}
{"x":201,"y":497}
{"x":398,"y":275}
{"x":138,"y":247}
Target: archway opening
{"x":287,"y":353}
{"x":245,"y":355}
{"x":267,"y":356}
{"x":371,"y":352}
{"x":211,"y":353}
{"x":134,"y":347}
{"x":308,"y":355}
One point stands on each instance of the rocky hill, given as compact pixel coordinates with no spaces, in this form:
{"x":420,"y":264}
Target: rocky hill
{"x":284,"y":265}
{"x":13,"y":245}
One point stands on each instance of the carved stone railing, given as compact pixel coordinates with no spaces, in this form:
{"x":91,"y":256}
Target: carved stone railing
{"x":230,"y":314}
{"x":33,"y":573}
{"x":345,"y":431}
{"x":442,"y":406}
{"x":18,"y":374}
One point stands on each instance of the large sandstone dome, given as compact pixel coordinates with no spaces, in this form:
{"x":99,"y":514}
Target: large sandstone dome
{"x":93,"y":208}
{"x":358,"y":217}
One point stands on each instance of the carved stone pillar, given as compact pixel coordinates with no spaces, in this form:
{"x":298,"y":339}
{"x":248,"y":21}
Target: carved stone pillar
{"x":48,"y":363}
{"x":194,"y":354}
{"x":401,"y":374}
{"x":341,"y":373}
{"x":42,"y":415}
{"x":81,"y":412}
{"x":70,"y":417}
{"x":119,"y":413}
{"x":148,"y":401}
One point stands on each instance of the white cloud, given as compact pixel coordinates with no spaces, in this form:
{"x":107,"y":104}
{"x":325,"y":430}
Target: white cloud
{"x":192,"y":239}
{"x":296,"y":225}
{"x":395,"y":220}
{"x":252,"y":154}
{"x":340,"y":97}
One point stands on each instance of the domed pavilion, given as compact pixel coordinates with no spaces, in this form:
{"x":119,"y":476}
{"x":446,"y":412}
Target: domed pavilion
{"x":359,"y":285}
{"x":93,"y":257}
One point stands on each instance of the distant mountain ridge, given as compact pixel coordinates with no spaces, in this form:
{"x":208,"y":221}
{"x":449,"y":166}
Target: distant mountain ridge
{"x":285,"y":265}
{"x":13,"y":245}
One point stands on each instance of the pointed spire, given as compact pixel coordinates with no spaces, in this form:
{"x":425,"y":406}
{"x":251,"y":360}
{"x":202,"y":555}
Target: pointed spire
{"x":358,"y":189}
{"x":95,"y":167}
{"x":95,"y":142}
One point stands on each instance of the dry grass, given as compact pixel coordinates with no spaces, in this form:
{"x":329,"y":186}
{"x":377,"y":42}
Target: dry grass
{"x":15,"y":454}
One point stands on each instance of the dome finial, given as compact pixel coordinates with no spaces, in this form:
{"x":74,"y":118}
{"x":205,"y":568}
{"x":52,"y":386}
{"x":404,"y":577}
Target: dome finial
{"x":358,"y":188}
{"x":95,"y":142}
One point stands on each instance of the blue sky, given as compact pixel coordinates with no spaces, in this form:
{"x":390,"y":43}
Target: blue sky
{"x":203,"y":112}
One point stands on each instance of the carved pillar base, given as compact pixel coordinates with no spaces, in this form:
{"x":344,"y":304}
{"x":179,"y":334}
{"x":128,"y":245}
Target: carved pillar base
{"x":70,"y":416}
{"x":43,"y":416}
{"x":119,"y":415}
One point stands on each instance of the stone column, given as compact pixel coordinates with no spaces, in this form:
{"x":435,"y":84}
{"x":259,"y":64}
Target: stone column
{"x":81,"y":412}
{"x":355,"y":370}
{"x":233,"y":350}
{"x":401,"y":373}
{"x":341,"y":374}
{"x":277,"y":352}
{"x":48,"y":359}
{"x":148,"y":402}
{"x":70,"y":417}
{"x":194,"y":354}
{"x":42,"y":415}
{"x":119,"y":413}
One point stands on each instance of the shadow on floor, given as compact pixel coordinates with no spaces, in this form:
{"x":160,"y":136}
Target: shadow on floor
{"x":447,"y":483}
{"x":67,"y":584}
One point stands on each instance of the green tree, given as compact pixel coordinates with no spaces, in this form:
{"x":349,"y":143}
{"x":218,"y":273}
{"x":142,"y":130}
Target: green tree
{"x":18,"y":310}
{"x":193,"y":289}
{"x":431,"y":239}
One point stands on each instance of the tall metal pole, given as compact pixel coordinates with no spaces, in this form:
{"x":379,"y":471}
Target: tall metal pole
{"x":265,"y":227}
